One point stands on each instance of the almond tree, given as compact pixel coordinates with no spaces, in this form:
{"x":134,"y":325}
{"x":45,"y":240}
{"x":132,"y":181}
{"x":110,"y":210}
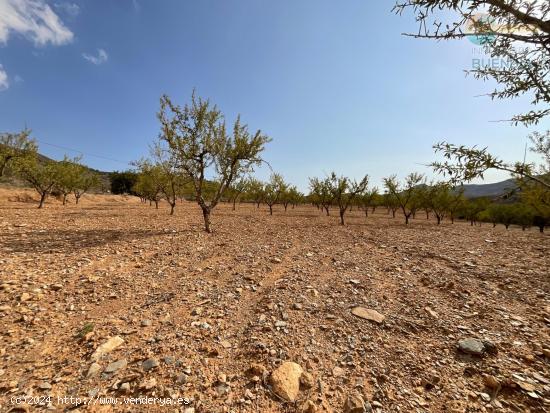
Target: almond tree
{"x":406,"y":196}
{"x":438,"y":199}
{"x":273,"y":191}
{"x":255,"y":191}
{"x":168,"y":178}
{"x":41,"y":175}
{"x":86,"y":180}
{"x":367,"y":200}
{"x":200,"y":144}
{"x":14,"y":146}
{"x":236,"y":190}
{"x":290,"y":196}
{"x":321,"y":192}
{"x":345,"y":190}
{"x":149,"y":182}
{"x":68,"y":176}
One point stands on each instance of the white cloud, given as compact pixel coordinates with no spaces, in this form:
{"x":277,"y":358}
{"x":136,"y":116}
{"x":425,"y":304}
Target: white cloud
{"x":18,"y":79}
{"x":72,"y":9}
{"x":33,"y":19}
{"x":4,"y":83}
{"x":101,"y":57}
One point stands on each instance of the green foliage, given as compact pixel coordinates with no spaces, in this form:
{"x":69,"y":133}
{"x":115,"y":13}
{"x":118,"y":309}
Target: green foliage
{"x":370,"y":199}
{"x":321,"y":192}
{"x":42,"y":176}
{"x":273,"y":190}
{"x":15,"y":146}
{"x":197,"y":138}
{"x":255,"y":191}
{"x":438,"y":198}
{"x":123,"y":182}
{"x":472,"y":209}
{"x":408,"y":195}
{"x":518,"y":32}
{"x":344,"y":191}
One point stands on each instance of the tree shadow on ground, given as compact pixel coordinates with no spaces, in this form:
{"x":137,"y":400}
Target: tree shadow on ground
{"x":68,"y":241}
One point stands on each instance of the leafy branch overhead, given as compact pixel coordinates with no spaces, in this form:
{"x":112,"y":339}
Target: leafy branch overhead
{"x":515,"y":31}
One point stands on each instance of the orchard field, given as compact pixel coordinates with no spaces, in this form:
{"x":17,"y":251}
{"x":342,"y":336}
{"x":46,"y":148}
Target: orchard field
{"x":211,"y":317}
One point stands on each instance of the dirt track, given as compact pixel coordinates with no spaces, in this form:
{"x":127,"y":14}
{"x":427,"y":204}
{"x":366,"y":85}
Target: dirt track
{"x":265,"y":289}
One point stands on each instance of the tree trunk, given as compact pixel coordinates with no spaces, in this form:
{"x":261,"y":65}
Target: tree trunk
{"x":326,"y":209}
{"x":77,"y":198}
{"x":342,"y":217}
{"x":172,"y":206}
{"x":393,"y":213}
{"x":438,"y":219}
{"x":206,"y":215}
{"x":427,"y":214}
{"x":43,"y":196}
{"x":64,"y":199}
{"x":286,"y":206}
{"x":366,"y":212}
{"x":270,"y":209}
{"x":156,"y":204}
{"x":234,"y":202}
{"x":406,"y":219}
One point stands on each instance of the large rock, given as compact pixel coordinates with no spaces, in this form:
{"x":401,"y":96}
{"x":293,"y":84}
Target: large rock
{"x":107,"y":347}
{"x":368,"y":314}
{"x":354,"y":404}
{"x":286,"y":380}
{"x":471,"y":346}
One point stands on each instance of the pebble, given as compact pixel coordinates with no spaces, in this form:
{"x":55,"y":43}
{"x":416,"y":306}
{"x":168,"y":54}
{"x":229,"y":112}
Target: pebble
{"x":149,"y":364}
{"x":115,"y":366}
{"x":93,"y":370}
{"x":368,"y":314}
{"x":471,"y":346}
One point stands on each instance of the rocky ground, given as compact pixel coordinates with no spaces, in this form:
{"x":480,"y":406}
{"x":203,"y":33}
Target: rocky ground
{"x":285,"y":313}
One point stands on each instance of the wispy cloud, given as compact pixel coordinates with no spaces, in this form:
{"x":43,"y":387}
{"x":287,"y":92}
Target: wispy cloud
{"x":4,"y":83}
{"x":72,"y":9}
{"x":101,"y":57}
{"x":18,"y":79}
{"x":33,"y":19}
{"x":137,"y":6}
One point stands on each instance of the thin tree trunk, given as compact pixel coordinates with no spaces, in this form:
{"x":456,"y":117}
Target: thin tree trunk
{"x":342,"y":217}
{"x":406,"y":219}
{"x":156,"y":204}
{"x":234,"y":202}
{"x":172,"y":206}
{"x":77,"y":198}
{"x":206,"y":216}
{"x":64,"y":199}
{"x":270,"y":209}
{"x":43,"y":196}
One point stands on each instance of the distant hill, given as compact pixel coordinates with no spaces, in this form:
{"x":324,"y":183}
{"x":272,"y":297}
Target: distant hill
{"x":10,"y":180}
{"x":490,"y":190}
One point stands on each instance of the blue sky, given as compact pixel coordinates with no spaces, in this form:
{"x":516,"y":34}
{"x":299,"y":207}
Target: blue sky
{"x":335,"y":84}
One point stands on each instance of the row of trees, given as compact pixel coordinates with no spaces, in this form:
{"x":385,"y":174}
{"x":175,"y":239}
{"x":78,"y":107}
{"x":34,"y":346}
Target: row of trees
{"x":19,"y":158}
